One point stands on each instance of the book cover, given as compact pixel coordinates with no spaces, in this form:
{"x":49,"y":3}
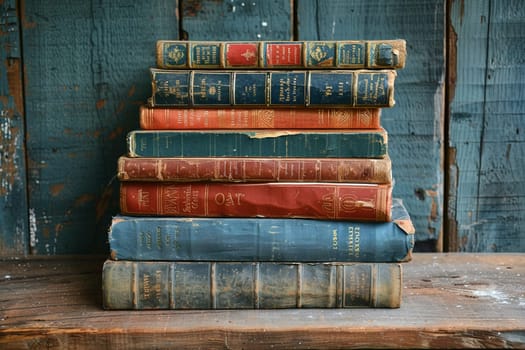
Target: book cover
{"x":142,"y":285}
{"x":272,"y":88}
{"x":331,"y":54}
{"x":228,"y":169}
{"x":368,"y":143}
{"x":262,"y":239}
{"x":313,"y":200}
{"x":167,"y":118}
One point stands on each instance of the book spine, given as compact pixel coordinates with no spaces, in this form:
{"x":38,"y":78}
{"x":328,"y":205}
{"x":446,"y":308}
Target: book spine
{"x":258,"y":118}
{"x":296,"y":240}
{"x":265,"y":88}
{"x":354,"y":54}
{"x":365,"y":170}
{"x":344,"y":201}
{"x":144,"y":285}
{"x":258,"y":143}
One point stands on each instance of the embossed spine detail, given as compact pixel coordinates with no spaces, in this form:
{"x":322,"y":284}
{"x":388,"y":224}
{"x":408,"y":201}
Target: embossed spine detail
{"x":253,"y":285}
{"x":272,"y":88}
{"x":187,"y":169}
{"x":260,"y":239}
{"x":298,"y":200}
{"x":342,"y":54}
{"x":258,"y":118}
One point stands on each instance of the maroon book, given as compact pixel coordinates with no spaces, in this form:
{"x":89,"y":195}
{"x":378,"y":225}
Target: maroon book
{"x":235,"y":169}
{"x":336,"y":201}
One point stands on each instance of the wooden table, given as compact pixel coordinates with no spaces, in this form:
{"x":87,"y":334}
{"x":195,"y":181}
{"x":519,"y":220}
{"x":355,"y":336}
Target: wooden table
{"x":450,"y":301}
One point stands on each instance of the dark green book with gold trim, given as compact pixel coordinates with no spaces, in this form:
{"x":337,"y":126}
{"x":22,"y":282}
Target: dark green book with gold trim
{"x":363,"y":143}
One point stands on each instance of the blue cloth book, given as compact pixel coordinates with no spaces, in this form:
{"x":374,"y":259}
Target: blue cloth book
{"x":284,"y":88}
{"x":262,"y":239}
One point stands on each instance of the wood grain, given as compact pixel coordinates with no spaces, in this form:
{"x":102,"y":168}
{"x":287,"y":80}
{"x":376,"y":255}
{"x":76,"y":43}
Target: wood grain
{"x":449,"y":301}
{"x":13,"y":216}
{"x":86,"y":74}
{"x":486,"y":138}
{"x":237,"y":20}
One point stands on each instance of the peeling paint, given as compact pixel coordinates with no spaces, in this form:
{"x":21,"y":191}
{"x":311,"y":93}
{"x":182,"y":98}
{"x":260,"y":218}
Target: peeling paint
{"x":58,"y":228}
{"x":434,"y":207}
{"x":14,"y":81}
{"x":9,"y":144}
{"x":46,"y":233}
{"x":100,"y":104}
{"x":191,"y":8}
{"x":83,"y":199}
{"x":131,"y":91}
{"x":33,"y":240}
{"x":121,"y":107}
{"x":116,"y":134}
{"x":97,"y":133}
{"x":56,"y":189}
{"x":10,"y":133}
{"x":434,"y":217}
{"x":13,"y":216}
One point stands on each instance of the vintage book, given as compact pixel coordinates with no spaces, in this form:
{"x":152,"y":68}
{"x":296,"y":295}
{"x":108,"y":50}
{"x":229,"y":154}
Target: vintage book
{"x":309,"y":200}
{"x":142,"y":285}
{"x":262,"y":239}
{"x":167,"y":118}
{"x":186,"y":169}
{"x":271,"y":88}
{"x":363,"y":143}
{"x":342,"y":54}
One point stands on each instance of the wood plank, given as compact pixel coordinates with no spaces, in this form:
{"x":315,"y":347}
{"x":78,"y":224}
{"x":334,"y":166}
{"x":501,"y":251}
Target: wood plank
{"x":450,"y":301}
{"x":237,"y":20}
{"x":13,"y":198}
{"x":415,"y":123}
{"x":486,"y":138}
{"x":86,"y":73}
{"x":86,"y":77}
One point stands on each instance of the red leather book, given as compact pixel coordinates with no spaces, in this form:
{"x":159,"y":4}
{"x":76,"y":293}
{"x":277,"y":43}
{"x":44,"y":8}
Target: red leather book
{"x":258,"y":118}
{"x":335,"y":201}
{"x":182,"y":169}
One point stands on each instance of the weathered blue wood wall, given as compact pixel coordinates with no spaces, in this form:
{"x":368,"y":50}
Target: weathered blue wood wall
{"x":86,"y":73}
{"x":13,"y":200}
{"x":486,"y":132}
{"x":75,"y":72}
{"x":415,"y":123}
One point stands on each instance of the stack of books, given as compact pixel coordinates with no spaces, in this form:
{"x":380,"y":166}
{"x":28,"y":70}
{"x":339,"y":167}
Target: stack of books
{"x":260,"y":178}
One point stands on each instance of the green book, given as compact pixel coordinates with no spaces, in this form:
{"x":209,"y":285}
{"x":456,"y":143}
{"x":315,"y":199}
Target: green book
{"x":247,"y":143}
